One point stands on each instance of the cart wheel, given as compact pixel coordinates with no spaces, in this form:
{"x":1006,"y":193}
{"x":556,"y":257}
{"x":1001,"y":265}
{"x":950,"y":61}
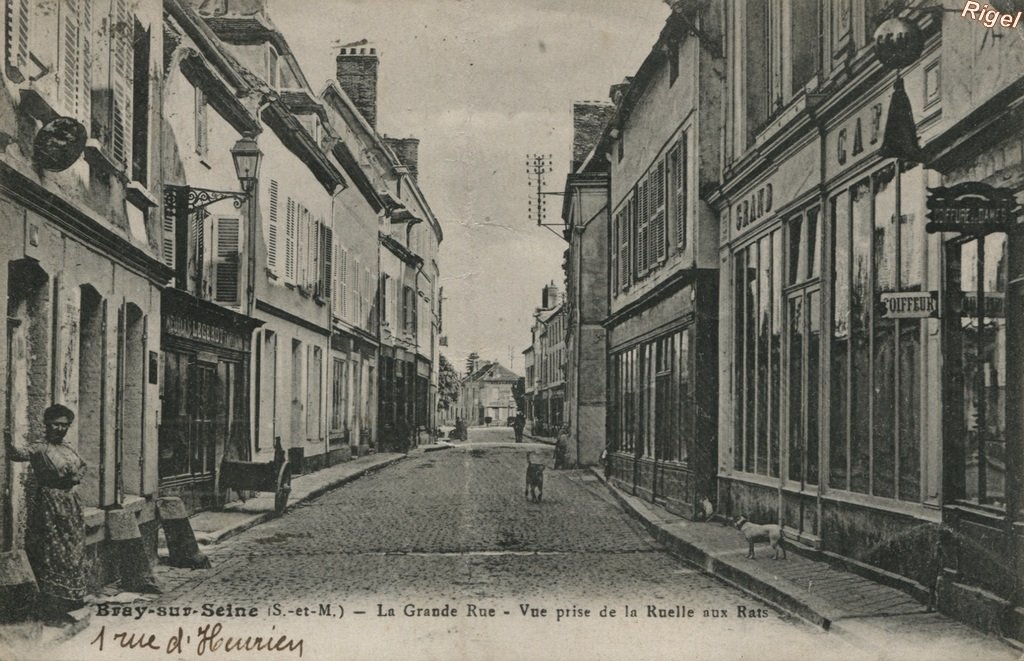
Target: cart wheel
{"x":284,"y":487}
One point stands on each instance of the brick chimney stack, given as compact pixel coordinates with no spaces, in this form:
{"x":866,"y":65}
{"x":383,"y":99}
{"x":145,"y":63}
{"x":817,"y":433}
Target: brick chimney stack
{"x":588,"y":121}
{"x":357,"y":75}
{"x":407,"y":150}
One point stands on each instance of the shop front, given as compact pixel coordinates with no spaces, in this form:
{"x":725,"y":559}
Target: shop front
{"x":976,"y":212}
{"x":205,"y":393}
{"x":663,"y":390}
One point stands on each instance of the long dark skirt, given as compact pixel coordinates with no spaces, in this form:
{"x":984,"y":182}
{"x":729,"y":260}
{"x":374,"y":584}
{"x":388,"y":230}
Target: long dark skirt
{"x":55,"y":545}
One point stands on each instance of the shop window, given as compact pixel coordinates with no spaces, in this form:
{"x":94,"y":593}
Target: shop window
{"x":175,"y":428}
{"x":979,"y":273}
{"x":878,"y":242}
{"x":758,"y":295}
{"x":91,"y":379}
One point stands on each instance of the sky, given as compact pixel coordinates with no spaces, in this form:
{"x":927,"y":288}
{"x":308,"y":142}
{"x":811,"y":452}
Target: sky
{"x":483,"y":83}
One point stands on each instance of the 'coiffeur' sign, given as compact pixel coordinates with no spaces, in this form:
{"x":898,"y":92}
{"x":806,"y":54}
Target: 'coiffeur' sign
{"x":908,"y":304}
{"x":971,"y":208}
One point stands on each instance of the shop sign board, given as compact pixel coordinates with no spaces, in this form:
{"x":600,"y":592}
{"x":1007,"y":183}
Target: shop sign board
{"x":908,"y":304}
{"x":972,"y":207}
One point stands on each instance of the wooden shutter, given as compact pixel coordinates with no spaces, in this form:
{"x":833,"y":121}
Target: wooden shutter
{"x":202,"y":131}
{"x":168,"y":228}
{"x":226,"y":273}
{"x":642,"y":227}
{"x":198,"y":221}
{"x":613,"y":252}
{"x":121,"y":64}
{"x":290,"y":235}
{"x":343,"y":283}
{"x":678,"y":192}
{"x":272,"y":228}
{"x":18,"y":31}
{"x":335,"y":285}
{"x":326,"y":262}
{"x":657,"y":223}
{"x":69,"y":64}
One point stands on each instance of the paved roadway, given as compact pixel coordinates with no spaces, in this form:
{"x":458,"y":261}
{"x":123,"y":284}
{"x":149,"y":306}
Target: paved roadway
{"x":452,"y":528}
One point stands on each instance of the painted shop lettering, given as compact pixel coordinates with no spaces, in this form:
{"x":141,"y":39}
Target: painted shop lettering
{"x":756,"y":207}
{"x":990,"y":17}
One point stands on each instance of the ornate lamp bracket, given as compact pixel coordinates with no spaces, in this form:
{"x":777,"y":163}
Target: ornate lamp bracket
{"x":192,"y":199}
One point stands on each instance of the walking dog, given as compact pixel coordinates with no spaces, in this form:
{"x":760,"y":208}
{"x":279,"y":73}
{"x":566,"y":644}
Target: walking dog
{"x":756,"y":532}
{"x":534,"y":479}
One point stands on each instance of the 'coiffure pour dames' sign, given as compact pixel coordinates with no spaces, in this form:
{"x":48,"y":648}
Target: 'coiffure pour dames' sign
{"x":971,"y":208}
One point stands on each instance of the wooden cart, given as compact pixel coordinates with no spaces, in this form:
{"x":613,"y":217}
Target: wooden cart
{"x":273,"y":476}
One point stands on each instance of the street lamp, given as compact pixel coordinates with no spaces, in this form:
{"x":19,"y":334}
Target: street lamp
{"x":247,"y":157}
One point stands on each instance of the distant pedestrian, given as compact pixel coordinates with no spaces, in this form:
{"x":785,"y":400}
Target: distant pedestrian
{"x":518,"y":425}
{"x":562,"y":448}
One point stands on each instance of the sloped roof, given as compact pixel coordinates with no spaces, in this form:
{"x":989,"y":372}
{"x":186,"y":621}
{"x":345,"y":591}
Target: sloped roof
{"x":493,"y":373}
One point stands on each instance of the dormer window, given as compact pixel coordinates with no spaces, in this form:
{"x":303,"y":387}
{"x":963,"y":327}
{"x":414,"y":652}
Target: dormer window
{"x":272,"y":67}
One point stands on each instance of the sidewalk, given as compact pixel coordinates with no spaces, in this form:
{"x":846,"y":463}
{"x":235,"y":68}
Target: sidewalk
{"x":213,"y":527}
{"x":817,"y":591}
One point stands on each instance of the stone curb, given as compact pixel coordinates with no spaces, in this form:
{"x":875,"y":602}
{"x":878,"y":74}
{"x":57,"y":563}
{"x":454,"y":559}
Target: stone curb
{"x":262,"y":517}
{"x":819,"y":615}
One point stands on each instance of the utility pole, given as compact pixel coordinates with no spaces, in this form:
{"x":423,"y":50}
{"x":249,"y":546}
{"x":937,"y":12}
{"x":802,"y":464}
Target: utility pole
{"x":537,"y":167}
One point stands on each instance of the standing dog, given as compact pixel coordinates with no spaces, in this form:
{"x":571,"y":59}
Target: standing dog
{"x":534,"y":479}
{"x":755,"y":532}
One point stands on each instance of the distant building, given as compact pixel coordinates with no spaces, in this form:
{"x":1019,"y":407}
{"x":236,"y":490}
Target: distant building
{"x":546,"y":390}
{"x":486,"y":396}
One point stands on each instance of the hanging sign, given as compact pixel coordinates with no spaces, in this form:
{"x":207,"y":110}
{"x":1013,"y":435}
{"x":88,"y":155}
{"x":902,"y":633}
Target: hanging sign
{"x":908,"y":304}
{"x":972,"y":207}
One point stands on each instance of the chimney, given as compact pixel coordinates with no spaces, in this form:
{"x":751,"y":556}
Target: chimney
{"x":357,"y":75}
{"x":407,"y":150}
{"x":588,"y":121}
{"x":549,"y":296}
{"x":618,"y":91}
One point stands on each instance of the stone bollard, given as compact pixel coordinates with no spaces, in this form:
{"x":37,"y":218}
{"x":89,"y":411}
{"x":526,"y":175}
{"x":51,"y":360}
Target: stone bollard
{"x":126,"y":540}
{"x":182,"y":548}
{"x":18,"y":587}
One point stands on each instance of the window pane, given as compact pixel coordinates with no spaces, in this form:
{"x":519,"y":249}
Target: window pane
{"x":774,"y":404}
{"x":795,"y":380}
{"x":797,"y":267}
{"x":739,"y":289}
{"x":884,"y":350}
{"x":812,"y":231}
{"x":813,"y":384}
{"x":912,"y":235}
{"x":804,"y":41}
{"x":750,"y":318}
{"x":840,"y":340}
{"x":685,"y":394}
{"x":860,"y":307}
{"x":763,"y":331}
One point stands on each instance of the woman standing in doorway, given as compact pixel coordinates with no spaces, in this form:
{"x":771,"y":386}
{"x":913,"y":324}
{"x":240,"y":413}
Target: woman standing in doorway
{"x":55,"y":538}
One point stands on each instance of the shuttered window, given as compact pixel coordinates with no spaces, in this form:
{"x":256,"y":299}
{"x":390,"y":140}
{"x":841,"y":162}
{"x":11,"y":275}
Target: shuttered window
{"x":226,"y":266}
{"x":642,"y":227}
{"x":272,"y":228}
{"x":656,"y":251}
{"x":198,"y":262}
{"x":167,"y":235}
{"x":335,"y":285}
{"x":677,"y":192}
{"x":121,"y":65}
{"x":616,"y":247}
{"x":343,"y":284}
{"x":326,"y":261}
{"x":290,"y":236}
{"x":17,"y":38}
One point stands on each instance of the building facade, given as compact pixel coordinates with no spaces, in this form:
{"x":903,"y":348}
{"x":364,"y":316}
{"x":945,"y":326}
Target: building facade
{"x":547,"y":394}
{"x":586,"y":218}
{"x":663,"y":144}
{"x":80,"y":199}
{"x":867,"y":425}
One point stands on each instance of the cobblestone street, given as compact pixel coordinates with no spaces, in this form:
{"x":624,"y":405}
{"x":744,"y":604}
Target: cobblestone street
{"x":452,"y":527}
